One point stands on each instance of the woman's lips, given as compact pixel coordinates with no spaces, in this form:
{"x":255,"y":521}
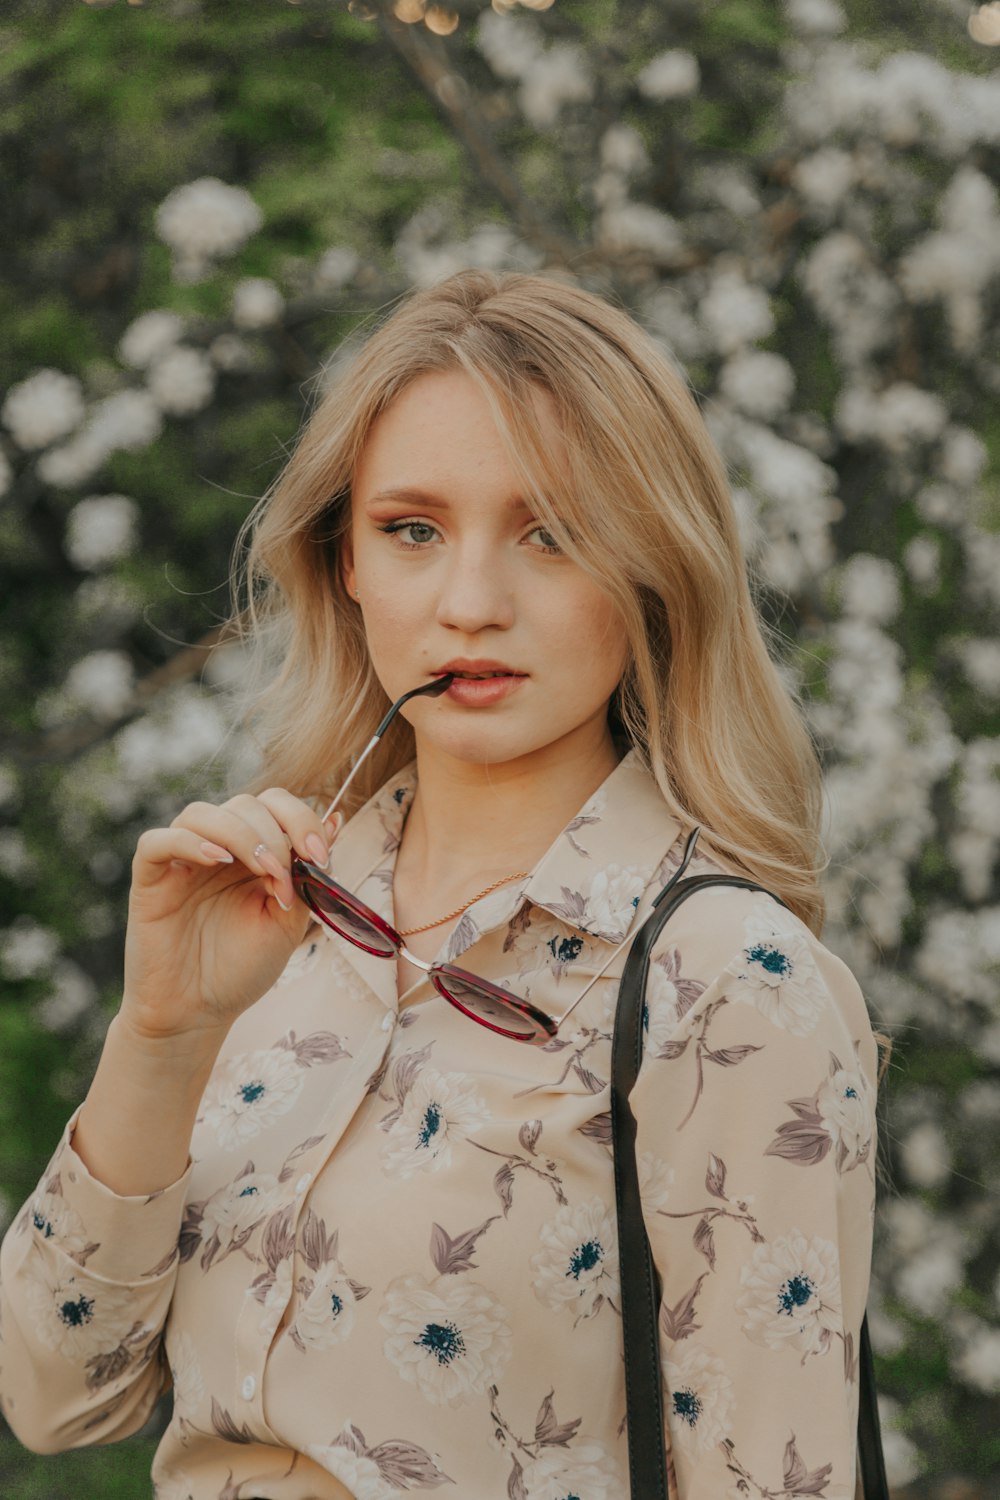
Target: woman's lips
{"x":479,"y":693}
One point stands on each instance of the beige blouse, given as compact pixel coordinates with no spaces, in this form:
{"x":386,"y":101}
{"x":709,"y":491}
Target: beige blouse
{"x":392,"y":1264}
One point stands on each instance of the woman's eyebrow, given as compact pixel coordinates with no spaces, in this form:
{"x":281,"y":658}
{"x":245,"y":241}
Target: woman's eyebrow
{"x":431,"y":502}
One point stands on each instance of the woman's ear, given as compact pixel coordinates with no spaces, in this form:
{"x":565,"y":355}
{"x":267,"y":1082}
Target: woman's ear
{"x":347,"y":567}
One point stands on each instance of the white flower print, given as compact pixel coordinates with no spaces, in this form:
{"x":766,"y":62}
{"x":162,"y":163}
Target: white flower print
{"x":655,"y":1179}
{"x":612,"y":900}
{"x":54,"y":1219}
{"x":76,"y":1316}
{"x":185,"y":1370}
{"x":661,"y":1008}
{"x":235,"y":1209}
{"x":776,"y":972}
{"x":700,"y":1401}
{"x":453,"y":1338}
{"x":577,"y":1266}
{"x":326,"y":1317}
{"x":250,"y":1091}
{"x":360,"y":1476}
{"x":276,"y":1298}
{"x":846,"y":1105}
{"x":304,"y":958}
{"x":588,"y":1469}
{"x":439,"y":1108}
{"x":790,"y":1294}
{"x":548,"y":944}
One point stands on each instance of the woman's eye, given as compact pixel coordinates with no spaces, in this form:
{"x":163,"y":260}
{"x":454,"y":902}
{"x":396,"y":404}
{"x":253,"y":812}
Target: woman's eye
{"x":421,"y":532}
{"x":548,"y":541}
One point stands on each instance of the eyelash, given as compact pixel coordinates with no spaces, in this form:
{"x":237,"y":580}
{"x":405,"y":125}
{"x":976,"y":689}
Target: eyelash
{"x":392,"y":527}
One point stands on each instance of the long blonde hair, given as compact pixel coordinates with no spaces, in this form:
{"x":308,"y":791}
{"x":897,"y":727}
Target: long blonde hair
{"x":645,"y":507}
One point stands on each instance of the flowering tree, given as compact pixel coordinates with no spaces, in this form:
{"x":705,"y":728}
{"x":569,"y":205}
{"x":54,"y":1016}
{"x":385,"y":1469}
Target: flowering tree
{"x":804,"y":216}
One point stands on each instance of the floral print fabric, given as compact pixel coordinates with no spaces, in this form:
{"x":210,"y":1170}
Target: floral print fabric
{"x":392,"y":1261}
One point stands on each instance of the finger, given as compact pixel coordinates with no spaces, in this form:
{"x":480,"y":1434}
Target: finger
{"x":247,"y":830}
{"x":157,"y":847}
{"x":308,"y":834}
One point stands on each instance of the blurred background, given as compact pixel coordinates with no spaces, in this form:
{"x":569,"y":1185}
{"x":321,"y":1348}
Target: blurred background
{"x":206,"y":202}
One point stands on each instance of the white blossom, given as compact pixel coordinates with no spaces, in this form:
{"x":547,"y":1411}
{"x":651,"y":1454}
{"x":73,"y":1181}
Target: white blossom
{"x":585,"y":1469}
{"x":700,"y":1399}
{"x":922,"y":560}
{"x":978,"y":1362}
{"x":27,"y":949}
{"x":640,"y":226}
{"x":45,"y":407}
{"x":735,"y":312}
{"x":229,"y":352}
{"x":257,"y":303}
{"x":980,"y":661}
{"x":148,"y":336}
{"x":623,"y":149}
{"x":100,"y":529}
{"x":103,"y":682}
{"x":186,"y":727}
{"x":898,"y":417}
{"x":335,"y":268}
{"x":673,"y":74}
{"x":204,"y":220}
{"x":815,"y":17}
{"x":825,"y":177}
{"x":902,"y":1458}
{"x":16,"y":860}
{"x":925,"y":1156}
{"x":71,"y":996}
{"x":758,"y":382}
{"x":963,"y":456}
{"x":182,"y":381}
{"x":869,"y":588}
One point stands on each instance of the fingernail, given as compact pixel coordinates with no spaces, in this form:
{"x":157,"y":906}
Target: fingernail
{"x":335,"y":824}
{"x":318,"y":851}
{"x":216,"y":851}
{"x":272,"y":865}
{"x":280,"y":902}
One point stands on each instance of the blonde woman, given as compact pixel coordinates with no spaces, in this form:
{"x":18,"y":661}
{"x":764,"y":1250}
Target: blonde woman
{"x":360,"y":1222}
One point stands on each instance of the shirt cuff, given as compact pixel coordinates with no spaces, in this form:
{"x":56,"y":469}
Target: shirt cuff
{"x":115,"y":1237}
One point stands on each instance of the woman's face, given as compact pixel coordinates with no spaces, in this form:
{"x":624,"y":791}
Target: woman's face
{"x":458,"y":570}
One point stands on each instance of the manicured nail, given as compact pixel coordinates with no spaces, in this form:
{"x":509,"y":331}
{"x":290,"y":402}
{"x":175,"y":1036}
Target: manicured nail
{"x":272,"y":864}
{"x":335,"y":824}
{"x":280,"y":902}
{"x":317,"y":850}
{"x":216,"y":851}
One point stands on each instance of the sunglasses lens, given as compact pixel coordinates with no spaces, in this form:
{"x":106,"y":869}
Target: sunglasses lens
{"x":486,"y":1005}
{"x":349,"y":923}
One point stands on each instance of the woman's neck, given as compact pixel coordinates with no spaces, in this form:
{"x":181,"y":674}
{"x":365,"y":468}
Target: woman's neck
{"x":470,"y":822}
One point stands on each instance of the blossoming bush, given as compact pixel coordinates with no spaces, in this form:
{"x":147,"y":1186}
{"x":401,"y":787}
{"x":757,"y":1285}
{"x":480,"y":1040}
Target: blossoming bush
{"x":805,"y":217}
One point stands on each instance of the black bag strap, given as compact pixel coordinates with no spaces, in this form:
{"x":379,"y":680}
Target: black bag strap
{"x":640,"y":1284}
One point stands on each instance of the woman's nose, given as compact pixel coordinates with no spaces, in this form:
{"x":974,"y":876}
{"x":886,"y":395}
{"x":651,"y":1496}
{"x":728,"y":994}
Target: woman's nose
{"x":476,"y":592}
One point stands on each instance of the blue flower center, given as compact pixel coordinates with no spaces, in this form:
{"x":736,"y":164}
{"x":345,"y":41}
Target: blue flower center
{"x":687,"y":1406}
{"x":40,"y":1222}
{"x":771,"y":959}
{"x":443,"y":1340}
{"x":585,"y":1258}
{"x":251,"y":1092}
{"x":249,"y":1191}
{"x":564,"y":950}
{"x":850,"y":1093}
{"x":645,"y":1016}
{"x":431,"y":1125}
{"x":794,"y":1293}
{"x":336,"y":1304}
{"x":77,"y":1313}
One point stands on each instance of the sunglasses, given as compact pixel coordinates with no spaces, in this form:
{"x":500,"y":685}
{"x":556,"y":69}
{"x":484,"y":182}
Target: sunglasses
{"x":488,"y":1004}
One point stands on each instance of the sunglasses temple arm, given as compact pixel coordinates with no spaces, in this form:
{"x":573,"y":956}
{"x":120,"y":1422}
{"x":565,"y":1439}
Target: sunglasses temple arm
{"x":431,"y":689}
{"x":593,"y":980}
{"x":688,"y":851}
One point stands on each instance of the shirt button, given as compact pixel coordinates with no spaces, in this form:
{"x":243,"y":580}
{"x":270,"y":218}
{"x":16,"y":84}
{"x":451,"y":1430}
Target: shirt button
{"x":303,"y":1182}
{"x":387,"y":1021}
{"x":248,"y":1388}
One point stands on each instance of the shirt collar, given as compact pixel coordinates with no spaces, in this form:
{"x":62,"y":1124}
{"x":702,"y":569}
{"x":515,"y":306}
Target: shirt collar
{"x":592,"y":876}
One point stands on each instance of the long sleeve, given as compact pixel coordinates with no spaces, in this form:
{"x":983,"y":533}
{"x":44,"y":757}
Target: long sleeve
{"x":756,"y":1144}
{"x":86,"y":1279}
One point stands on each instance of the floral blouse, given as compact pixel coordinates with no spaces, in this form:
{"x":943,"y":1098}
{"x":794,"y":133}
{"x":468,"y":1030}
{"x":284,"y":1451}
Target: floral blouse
{"x":391,"y":1263}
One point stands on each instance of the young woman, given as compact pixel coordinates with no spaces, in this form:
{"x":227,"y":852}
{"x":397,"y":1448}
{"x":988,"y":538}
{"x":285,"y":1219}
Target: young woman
{"x":366,"y":1233}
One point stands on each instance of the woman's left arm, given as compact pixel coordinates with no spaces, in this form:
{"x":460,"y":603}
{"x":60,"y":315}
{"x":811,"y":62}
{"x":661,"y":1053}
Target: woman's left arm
{"x":755,"y":1110}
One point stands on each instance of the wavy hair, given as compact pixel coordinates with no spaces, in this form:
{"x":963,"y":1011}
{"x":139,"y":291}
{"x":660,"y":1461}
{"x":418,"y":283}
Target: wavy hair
{"x":644,"y":506}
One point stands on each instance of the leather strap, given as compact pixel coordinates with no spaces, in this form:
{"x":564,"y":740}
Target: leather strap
{"x":640,"y":1283}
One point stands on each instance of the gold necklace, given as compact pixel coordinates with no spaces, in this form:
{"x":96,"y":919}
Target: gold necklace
{"x":409,"y":931}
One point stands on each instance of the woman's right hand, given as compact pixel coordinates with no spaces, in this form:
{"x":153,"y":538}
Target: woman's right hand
{"x":206,"y":934}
